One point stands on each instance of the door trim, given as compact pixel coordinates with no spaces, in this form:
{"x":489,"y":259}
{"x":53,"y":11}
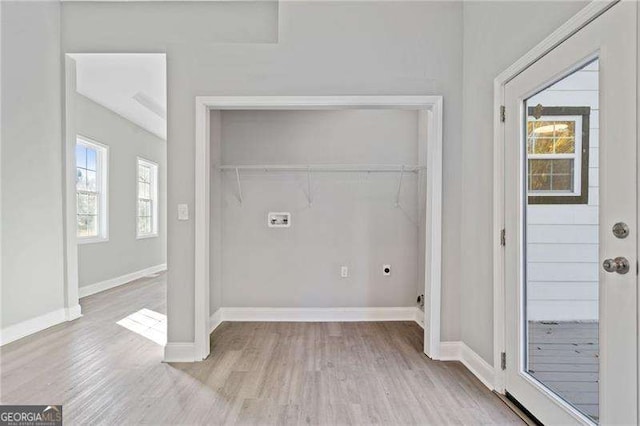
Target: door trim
{"x":430,"y":110}
{"x":566,"y":30}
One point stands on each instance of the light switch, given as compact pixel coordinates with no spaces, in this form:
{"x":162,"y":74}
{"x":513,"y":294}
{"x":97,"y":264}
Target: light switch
{"x":344,"y":272}
{"x":183,"y":212}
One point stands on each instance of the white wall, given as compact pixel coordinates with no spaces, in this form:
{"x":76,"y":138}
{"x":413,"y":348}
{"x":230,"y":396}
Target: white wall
{"x":353,"y":220}
{"x":201,"y":47}
{"x":32,"y":237}
{"x":496,"y":34}
{"x":264,"y":48}
{"x":123,"y":253}
{"x":290,"y":48}
{"x":562,"y":240}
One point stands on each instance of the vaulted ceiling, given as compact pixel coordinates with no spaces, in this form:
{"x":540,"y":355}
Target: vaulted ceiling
{"x":131,"y":85}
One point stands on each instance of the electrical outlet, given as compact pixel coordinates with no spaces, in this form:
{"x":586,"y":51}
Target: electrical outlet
{"x":386,"y":270}
{"x":344,"y":272}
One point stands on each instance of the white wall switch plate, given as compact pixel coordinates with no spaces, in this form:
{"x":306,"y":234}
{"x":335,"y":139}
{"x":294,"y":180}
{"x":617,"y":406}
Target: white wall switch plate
{"x":279,"y":220}
{"x":344,"y":272}
{"x":183,"y":212}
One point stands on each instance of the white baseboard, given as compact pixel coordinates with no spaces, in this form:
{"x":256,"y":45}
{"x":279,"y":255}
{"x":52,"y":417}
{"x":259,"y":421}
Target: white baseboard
{"x":450,"y":351}
{"x":459,"y":351}
{"x":478,"y":366}
{"x":185,"y":352}
{"x":317,"y":314}
{"x":72,"y":313}
{"x":419,"y":317}
{"x":215,"y":320}
{"x":179,"y":352}
{"x":90,"y":289}
{"x":33,"y":325}
{"x":25,"y":328}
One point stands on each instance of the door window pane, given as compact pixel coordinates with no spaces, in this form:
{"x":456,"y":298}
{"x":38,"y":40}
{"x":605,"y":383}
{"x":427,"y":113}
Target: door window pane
{"x":560,"y":320}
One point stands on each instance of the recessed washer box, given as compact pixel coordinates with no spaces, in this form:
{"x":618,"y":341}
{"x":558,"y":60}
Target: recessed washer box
{"x":279,"y":219}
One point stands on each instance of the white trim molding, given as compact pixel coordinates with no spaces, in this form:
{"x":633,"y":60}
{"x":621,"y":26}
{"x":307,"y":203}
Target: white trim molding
{"x":569,"y":28}
{"x":73,"y":312}
{"x":179,"y":352}
{"x":459,"y":351}
{"x":215,"y":320}
{"x":102,"y":173}
{"x":419,"y":317}
{"x":90,"y":289}
{"x":429,"y":107}
{"x":315,"y":314}
{"x":449,"y":351}
{"x":187,"y":351}
{"x":70,"y":246}
{"x":25,"y":328}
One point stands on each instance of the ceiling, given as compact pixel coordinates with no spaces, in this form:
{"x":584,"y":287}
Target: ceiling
{"x":131,"y":85}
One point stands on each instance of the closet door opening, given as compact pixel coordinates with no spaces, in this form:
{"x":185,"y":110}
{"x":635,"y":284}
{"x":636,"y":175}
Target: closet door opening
{"x":319,"y":208}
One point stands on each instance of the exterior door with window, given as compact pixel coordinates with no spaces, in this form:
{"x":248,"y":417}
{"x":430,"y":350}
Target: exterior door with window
{"x":571,"y":227}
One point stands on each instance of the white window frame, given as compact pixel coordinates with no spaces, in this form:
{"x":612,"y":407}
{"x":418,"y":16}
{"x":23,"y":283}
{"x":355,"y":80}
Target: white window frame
{"x":576,"y":156}
{"x":154,"y":196}
{"x":102,"y":183}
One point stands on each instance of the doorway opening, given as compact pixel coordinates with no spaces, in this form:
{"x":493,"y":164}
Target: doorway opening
{"x":216,"y":178}
{"x":115,"y":185}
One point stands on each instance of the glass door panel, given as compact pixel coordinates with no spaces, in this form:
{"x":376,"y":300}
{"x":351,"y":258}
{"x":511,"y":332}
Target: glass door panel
{"x":561,"y":239}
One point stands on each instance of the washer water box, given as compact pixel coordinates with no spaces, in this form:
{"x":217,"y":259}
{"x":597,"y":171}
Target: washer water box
{"x":279,"y":220}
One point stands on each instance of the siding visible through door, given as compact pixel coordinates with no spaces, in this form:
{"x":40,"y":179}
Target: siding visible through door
{"x":562,"y":245}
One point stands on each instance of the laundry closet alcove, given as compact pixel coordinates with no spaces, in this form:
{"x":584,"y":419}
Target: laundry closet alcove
{"x":359,"y":181}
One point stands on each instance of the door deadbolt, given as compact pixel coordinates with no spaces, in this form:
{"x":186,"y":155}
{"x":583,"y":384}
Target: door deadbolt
{"x":619,"y":265}
{"x":620,"y":230}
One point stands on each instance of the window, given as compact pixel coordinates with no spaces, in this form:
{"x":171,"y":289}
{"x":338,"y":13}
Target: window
{"x":91,"y":191}
{"x":558,"y":155}
{"x":147,"y":210}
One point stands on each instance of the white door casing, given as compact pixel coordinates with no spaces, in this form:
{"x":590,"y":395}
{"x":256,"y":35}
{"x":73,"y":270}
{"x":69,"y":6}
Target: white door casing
{"x":430,"y":110}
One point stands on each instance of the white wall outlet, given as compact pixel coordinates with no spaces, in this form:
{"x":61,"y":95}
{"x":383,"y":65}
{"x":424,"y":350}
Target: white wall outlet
{"x":183,"y":212}
{"x":279,"y":220}
{"x":344,"y":272}
{"x":386,"y":270}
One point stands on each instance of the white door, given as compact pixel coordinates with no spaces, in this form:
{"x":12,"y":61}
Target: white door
{"x":570,"y":177}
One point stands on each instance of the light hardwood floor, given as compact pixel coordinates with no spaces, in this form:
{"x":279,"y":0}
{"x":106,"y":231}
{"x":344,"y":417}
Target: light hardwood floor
{"x":258,"y":373}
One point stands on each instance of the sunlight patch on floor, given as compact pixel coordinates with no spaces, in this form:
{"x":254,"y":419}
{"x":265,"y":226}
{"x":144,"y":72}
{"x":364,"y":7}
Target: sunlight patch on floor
{"x":147,"y":323}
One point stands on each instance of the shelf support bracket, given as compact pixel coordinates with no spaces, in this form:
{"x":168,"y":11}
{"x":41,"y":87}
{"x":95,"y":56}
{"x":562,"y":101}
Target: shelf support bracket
{"x":309,"y":197}
{"x":399,"y":187}
{"x":239,"y":186}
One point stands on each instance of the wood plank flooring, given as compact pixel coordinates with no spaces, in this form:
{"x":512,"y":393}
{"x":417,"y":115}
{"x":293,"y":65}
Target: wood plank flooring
{"x":258,"y":373}
{"x":563,"y":355}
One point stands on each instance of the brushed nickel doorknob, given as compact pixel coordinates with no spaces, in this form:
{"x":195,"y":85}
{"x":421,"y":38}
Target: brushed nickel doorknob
{"x":619,"y":265}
